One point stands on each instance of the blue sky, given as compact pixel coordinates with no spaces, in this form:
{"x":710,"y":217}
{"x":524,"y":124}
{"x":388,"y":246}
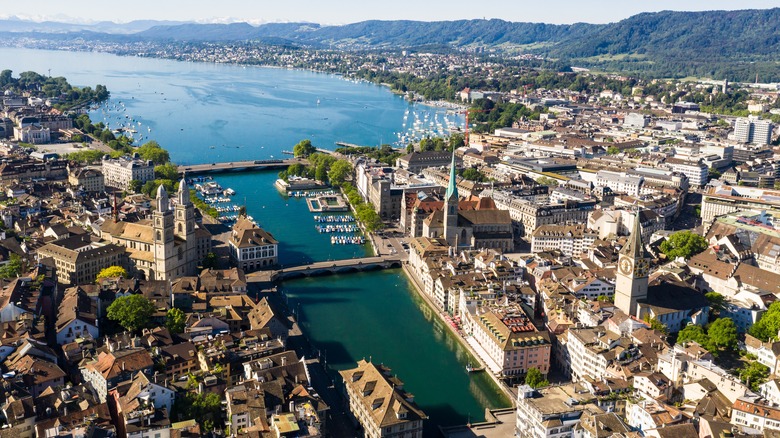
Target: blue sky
{"x":349,"y":11}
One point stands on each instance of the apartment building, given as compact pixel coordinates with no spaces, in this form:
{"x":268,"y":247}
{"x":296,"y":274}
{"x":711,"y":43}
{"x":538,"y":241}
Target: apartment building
{"x":120,"y":171}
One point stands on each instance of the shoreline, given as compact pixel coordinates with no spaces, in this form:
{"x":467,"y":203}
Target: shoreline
{"x":421,"y":293}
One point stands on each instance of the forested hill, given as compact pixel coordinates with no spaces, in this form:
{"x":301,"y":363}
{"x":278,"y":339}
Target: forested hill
{"x":721,"y":44}
{"x":733,"y":44}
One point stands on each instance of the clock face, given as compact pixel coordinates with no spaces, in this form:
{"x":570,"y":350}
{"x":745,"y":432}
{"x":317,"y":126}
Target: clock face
{"x":641,"y":268}
{"x":625,"y":266}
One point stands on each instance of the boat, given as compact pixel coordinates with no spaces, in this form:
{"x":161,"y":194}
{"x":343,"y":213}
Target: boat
{"x":229,"y":192}
{"x":471,"y":369}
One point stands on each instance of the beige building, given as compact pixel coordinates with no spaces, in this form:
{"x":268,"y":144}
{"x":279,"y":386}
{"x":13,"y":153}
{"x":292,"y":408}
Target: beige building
{"x":79,"y":260}
{"x":251,"y":247}
{"x":91,"y":180}
{"x":119,"y":172}
{"x":379,"y":403}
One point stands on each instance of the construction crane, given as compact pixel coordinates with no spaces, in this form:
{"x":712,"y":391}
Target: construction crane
{"x":466,"y":112}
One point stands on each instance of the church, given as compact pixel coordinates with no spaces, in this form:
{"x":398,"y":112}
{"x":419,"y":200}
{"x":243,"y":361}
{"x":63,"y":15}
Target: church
{"x":168,"y":246}
{"x":485,"y":227}
{"x":673,"y":303}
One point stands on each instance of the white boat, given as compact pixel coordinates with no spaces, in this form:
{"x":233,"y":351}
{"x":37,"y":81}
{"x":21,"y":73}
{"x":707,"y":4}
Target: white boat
{"x":229,"y":192}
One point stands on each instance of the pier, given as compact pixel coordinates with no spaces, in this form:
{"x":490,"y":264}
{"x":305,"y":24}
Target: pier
{"x":327,"y":268}
{"x":238,"y":166}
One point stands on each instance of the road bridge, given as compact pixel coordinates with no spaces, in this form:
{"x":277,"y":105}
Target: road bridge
{"x":327,"y":268}
{"x":237,"y":166}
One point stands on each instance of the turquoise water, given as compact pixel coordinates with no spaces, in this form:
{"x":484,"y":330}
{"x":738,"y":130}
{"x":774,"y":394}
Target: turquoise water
{"x":256,"y":113}
{"x":378,"y":316}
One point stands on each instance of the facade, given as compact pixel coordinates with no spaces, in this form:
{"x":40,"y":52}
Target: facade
{"x":251,"y":247}
{"x":512,"y":342}
{"x":91,"y":180}
{"x":528,"y":215}
{"x":79,"y":260}
{"x":725,"y":199}
{"x":417,"y":161}
{"x":120,"y":171}
{"x":751,"y":412}
{"x":753,"y":130}
{"x":552,"y":412}
{"x":571,"y":240}
{"x":379,"y":403}
{"x":696,"y":171}
{"x":636,"y":120}
{"x":620,"y":182}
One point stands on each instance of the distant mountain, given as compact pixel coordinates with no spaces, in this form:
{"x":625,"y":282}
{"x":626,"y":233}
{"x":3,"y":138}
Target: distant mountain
{"x":734,"y":44}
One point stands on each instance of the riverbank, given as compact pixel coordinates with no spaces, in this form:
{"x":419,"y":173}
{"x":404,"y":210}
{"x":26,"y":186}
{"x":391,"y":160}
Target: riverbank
{"x":417,"y":286}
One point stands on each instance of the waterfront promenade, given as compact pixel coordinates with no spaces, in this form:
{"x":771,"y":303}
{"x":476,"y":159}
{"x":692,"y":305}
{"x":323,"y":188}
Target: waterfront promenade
{"x":235,"y":166}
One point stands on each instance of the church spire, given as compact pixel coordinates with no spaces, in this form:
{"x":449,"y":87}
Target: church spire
{"x":452,"y":188}
{"x":634,"y":247}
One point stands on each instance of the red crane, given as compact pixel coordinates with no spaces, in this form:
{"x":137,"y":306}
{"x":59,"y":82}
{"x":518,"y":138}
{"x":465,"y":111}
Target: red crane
{"x":466,"y":112}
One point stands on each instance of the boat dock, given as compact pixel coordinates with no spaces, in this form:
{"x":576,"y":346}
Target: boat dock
{"x":238,"y":166}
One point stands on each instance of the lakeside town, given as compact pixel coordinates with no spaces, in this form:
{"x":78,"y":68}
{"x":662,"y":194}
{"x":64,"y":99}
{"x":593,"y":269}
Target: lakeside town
{"x":609,"y":258}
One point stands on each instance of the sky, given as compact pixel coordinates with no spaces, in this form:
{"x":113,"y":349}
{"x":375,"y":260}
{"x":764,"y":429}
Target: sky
{"x":350,"y":11}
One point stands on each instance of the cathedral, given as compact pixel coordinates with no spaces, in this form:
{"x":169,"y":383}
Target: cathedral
{"x":483,"y":227}
{"x":168,"y":246}
{"x":673,"y":303}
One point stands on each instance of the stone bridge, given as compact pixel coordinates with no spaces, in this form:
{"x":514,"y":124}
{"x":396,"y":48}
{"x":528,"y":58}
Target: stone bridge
{"x":327,"y":268}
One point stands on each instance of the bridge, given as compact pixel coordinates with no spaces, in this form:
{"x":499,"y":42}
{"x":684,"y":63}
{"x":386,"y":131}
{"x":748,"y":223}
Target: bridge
{"x":327,"y":268}
{"x":236,"y":166}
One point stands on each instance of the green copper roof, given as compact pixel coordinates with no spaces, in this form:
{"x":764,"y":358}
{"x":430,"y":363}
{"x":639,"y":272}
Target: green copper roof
{"x":452,"y":188}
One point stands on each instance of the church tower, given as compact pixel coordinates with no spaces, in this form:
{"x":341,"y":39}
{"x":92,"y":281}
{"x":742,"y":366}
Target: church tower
{"x":451,"y":207}
{"x":633,"y":270}
{"x":185,"y":212}
{"x":162,"y":225}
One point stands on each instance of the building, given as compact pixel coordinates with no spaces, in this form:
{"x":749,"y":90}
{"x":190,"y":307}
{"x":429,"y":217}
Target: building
{"x":380,"y":404}
{"x":725,"y":199}
{"x":77,"y":316}
{"x":169,"y":245}
{"x":551,"y":412}
{"x":120,"y":171}
{"x":91,"y":180}
{"x":571,"y":240}
{"x":251,"y":247}
{"x":752,"y":412}
{"x":417,"y":161}
{"x":528,"y":215}
{"x":753,"y":130}
{"x":696,"y":171}
{"x":113,"y":367}
{"x":512,"y":343}
{"x":620,"y":182}
{"x":79,"y":260}
{"x":636,"y":120}
{"x":633,"y":271}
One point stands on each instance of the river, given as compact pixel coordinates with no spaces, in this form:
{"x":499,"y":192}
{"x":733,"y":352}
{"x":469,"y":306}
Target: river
{"x":216,"y":112}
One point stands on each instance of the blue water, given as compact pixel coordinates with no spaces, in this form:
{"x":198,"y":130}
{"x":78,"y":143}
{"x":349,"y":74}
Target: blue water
{"x":256,"y":113}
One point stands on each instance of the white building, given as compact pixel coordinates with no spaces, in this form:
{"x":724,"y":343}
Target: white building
{"x":751,"y":412}
{"x":551,"y":412}
{"x":696,"y":171}
{"x":753,"y":130}
{"x":571,"y":240}
{"x":119,"y":172}
{"x":620,"y":182}
{"x":251,"y":247}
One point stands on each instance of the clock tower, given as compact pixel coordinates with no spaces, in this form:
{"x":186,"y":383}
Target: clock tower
{"x":633,"y":270}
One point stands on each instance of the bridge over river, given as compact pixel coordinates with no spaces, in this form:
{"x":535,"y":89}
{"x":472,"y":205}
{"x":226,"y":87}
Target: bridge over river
{"x":236,"y":166}
{"x":327,"y":267}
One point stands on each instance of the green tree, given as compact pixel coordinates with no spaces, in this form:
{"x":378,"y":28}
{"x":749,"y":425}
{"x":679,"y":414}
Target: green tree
{"x":339,"y":171}
{"x":655,"y":324}
{"x":693,"y":333}
{"x":546,"y":181}
{"x":166,"y":171}
{"x":211,"y":261}
{"x":321,"y":173}
{"x":714,"y":173}
{"x":304,"y":148}
{"x":206,"y":409}
{"x":683,"y":244}
{"x":473,"y":174}
{"x":153,"y":151}
{"x":174,"y":320}
{"x":535,"y":379}
{"x":613,"y":150}
{"x":754,"y":374}
{"x":456,"y":141}
{"x":135,"y":186}
{"x":112,"y":272}
{"x":769,"y":324}
{"x":723,"y":334}
{"x":132,"y":312}
{"x":13,"y":268}
{"x":410,"y":148}
{"x":717,"y":301}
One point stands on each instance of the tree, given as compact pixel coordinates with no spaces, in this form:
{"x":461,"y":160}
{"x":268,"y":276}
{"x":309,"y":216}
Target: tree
{"x":134,"y":186}
{"x":174,"y":320}
{"x":723,"y":334}
{"x":321,"y":173}
{"x":339,"y":171}
{"x":769,"y":324}
{"x":13,"y":268}
{"x":716,"y":300}
{"x":304,"y":148}
{"x":545,"y":181}
{"x":754,"y":374}
{"x":206,"y":409}
{"x":683,"y":244}
{"x":166,"y":171}
{"x":535,"y":379}
{"x":613,"y":150}
{"x":210,"y":261}
{"x":112,"y":272}
{"x":153,"y":151}
{"x":656,"y":324}
{"x":714,"y":173}
{"x":410,"y":148}
{"x":693,"y":333}
{"x":456,"y":141}
{"x":132,"y":312}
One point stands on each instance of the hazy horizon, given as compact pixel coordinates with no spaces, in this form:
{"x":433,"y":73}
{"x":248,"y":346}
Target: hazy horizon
{"x":351,"y":11}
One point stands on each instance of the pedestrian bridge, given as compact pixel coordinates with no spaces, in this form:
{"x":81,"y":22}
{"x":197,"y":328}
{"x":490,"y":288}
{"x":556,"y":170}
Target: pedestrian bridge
{"x":327,"y":268}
